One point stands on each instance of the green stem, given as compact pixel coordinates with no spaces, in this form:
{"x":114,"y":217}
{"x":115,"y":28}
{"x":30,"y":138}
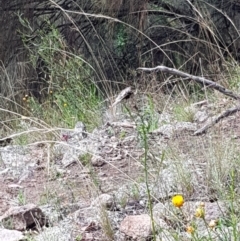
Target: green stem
{"x":144,"y":133}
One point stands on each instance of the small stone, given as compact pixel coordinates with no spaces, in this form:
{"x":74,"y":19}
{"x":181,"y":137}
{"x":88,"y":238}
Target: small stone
{"x":138,"y":226}
{"x":104,"y":200}
{"x":97,"y":161}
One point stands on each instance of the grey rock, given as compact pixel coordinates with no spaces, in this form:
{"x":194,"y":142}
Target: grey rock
{"x":168,"y":130}
{"x":104,"y":200}
{"x":161,"y":224}
{"x":18,"y":161}
{"x":69,"y":158}
{"x":201,"y":116}
{"x":24,"y":217}
{"x":11,"y":235}
{"x":54,"y":215}
{"x":72,"y":136}
{"x":136,"y":227}
{"x":80,"y":130}
{"x":97,"y":161}
{"x":163,"y":211}
{"x":166,"y":182}
{"x":62,"y":232}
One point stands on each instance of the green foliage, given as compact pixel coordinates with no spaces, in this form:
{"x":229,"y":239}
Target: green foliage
{"x":151,"y":115}
{"x":135,"y":193}
{"x":234,"y":80}
{"x":149,"y":118}
{"x":183,"y":112}
{"x":121,"y":39}
{"x":144,"y":128}
{"x":78,"y":237}
{"x":21,"y":197}
{"x":85,"y":159}
{"x":67,"y":89}
{"x":22,"y":140}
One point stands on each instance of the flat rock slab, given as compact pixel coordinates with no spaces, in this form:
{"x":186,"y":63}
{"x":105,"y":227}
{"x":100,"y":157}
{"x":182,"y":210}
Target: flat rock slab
{"x":138,"y":226}
{"x":10,"y":235}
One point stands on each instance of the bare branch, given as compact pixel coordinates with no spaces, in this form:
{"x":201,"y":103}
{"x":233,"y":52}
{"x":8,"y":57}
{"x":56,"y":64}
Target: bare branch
{"x":217,"y":119}
{"x":200,"y":80}
{"x":124,"y":94}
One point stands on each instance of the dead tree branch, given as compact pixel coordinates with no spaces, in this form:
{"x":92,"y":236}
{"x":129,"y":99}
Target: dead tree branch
{"x":200,"y":80}
{"x":217,"y":119}
{"x":207,"y":83}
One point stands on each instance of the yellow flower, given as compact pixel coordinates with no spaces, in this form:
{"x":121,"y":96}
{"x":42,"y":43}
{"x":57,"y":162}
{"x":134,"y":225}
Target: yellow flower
{"x":212,"y":224}
{"x":190,"y":229}
{"x":178,"y":201}
{"x":65,"y":104}
{"x":200,"y":213}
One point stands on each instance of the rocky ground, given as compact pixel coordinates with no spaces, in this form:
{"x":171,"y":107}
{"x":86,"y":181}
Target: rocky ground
{"x":91,"y":186}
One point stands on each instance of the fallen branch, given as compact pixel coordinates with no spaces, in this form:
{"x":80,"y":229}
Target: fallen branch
{"x":124,"y":94}
{"x":200,"y":80}
{"x":207,"y":83}
{"x":217,"y":119}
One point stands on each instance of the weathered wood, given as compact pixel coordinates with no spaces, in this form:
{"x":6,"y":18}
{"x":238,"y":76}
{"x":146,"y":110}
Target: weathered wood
{"x":217,"y":119}
{"x":200,"y":80}
{"x":124,"y":94}
{"x":206,"y":83}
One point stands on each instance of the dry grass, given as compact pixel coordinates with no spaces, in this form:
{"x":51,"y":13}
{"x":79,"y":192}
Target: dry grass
{"x":203,"y":168}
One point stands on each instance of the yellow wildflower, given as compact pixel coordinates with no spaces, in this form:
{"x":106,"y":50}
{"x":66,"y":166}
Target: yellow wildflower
{"x":178,"y":201}
{"x":200,"y":213}
{"x":212,"y":224}
{"x":190,"y":229}
{"x":65,"y":104}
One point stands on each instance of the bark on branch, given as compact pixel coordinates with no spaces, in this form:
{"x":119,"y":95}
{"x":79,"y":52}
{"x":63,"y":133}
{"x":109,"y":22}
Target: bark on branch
{"x":217,"y":119}
{"x":200,"y":80}
{"x":207,"y":83}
